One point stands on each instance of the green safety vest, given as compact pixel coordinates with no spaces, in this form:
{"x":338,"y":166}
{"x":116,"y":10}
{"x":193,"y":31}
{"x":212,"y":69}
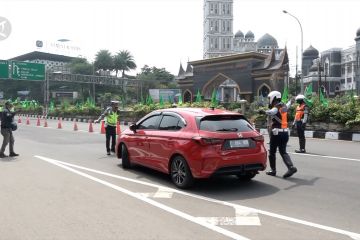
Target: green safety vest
{"x":112,"y":118}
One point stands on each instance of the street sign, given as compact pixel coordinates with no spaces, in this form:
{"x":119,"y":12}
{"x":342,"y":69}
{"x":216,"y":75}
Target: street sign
{"x":27,"y":71}
{"x":4,"y":69}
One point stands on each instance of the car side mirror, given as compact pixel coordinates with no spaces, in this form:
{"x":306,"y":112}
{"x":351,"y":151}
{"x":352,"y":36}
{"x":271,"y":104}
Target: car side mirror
{"x":133,"y":127}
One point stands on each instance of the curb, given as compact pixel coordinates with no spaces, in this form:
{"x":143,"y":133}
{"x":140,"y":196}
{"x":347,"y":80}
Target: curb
{"x":346,"y":136}
{"x":85,"y":120}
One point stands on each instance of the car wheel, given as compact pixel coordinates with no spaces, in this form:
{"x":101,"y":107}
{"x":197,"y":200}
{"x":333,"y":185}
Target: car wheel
{"x":180,"y":173}
{"x":125,"y":157}
{"x":246,"y":176}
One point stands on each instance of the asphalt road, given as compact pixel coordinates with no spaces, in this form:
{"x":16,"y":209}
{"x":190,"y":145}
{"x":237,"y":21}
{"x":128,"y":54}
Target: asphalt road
{"x":63,"y":186}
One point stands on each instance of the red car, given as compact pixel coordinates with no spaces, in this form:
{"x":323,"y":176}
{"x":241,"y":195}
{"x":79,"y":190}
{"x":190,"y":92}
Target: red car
{"x":190,"y":143}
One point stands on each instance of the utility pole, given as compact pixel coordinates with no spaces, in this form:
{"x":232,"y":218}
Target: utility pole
{"x":319,"y":72}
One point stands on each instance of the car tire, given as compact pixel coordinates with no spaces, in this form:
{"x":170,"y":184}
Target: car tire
{"x":125,"y":161}
{"x":180,"y":173}
{"x":246,"y":176}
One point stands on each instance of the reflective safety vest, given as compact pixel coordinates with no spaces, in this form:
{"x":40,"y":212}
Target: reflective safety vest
{"x":280,"y":119}
{"x":112,"y":118}
{"x":300,"y":111}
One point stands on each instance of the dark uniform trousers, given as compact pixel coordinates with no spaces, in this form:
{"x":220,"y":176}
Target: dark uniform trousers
{"x":300,"y":128}
{"x":110,"y":132}
{"x":279,"y":141}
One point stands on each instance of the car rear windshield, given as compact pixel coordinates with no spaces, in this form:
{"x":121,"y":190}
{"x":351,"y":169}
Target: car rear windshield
{"x":224,"y":123}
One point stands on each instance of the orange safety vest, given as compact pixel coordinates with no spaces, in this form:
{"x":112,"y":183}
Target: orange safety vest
{"x":300,"y":112}
{"x":280,"y":119}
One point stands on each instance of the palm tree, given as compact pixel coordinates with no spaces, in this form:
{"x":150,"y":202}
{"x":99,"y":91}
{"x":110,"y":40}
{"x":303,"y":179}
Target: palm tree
{"x":123,"y":61}
{"x":104,"y":61}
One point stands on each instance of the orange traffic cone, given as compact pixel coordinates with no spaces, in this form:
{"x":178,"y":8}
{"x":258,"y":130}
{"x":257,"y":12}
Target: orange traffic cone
{"x":19,"y":121}
{"x":38,"y":122}
{"x":102,"y":127}
{"x":118,"y":129}
{"x":27,"y":121}
{"x":90,"y":126}
{"x":45,"y":124}
{"x":59,"y":124}
{"x":75,"y":126}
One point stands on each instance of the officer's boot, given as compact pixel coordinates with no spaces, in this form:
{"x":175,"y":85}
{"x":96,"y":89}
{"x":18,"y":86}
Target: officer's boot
{"x":289,"y":164}
{"x":272,"y":161}
{"x":302,"y":146}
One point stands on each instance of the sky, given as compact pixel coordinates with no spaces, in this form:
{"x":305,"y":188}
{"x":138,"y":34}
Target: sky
{"x":165,"y":33}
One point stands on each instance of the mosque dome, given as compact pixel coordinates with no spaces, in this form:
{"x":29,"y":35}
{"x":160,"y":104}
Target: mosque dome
{"x":239,"y":34}
{"x":311,"y":52}
{"x":267,"y":41}
{"x":249,"y":34}
{"x":314,"y":68}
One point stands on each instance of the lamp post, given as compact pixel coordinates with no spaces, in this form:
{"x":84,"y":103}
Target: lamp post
{"x":302,"y":38}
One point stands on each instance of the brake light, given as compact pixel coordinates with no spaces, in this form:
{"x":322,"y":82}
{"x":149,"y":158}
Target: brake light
{"x":207,"y":141}
{"x":259,"y":138}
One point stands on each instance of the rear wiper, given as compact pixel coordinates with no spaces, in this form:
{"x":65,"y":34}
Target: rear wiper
{"x":227,"y":130}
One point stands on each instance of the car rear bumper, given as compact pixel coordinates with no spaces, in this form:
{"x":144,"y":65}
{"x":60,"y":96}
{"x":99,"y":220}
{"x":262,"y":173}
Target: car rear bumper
{"x":220,"y":165}
{"x":232,"y":170}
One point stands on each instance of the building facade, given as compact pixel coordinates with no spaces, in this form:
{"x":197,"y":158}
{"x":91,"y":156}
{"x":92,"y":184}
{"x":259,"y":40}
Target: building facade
{"x":219,"y":39}
{"x":336,"y":70}
{"x":234,"y":77}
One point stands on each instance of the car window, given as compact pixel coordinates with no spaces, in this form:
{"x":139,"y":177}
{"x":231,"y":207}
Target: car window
{"x":170,"y":123}
{"x":150,"y":123}
{"x":224,"y":123}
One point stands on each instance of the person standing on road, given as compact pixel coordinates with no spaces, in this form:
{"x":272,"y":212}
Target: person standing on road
{"x":279,"y":133}
{"x":7,"y":128}
{"x":112,"y":116}
{"x":301,"y":117}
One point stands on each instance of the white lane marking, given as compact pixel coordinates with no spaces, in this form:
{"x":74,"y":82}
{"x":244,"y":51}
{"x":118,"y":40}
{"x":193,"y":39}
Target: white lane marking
{"x":322,"y":156}
{"x":243,"y":217}
{"x":161,"y":193}
{"x":149,"y":201}
{"x":270,"y":214}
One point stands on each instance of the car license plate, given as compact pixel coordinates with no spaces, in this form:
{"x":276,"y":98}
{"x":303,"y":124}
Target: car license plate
{"x":239,"y":143}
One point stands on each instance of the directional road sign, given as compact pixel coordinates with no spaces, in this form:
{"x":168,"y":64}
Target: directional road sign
{"x":4,"y":69}
{"x":27,"y":71}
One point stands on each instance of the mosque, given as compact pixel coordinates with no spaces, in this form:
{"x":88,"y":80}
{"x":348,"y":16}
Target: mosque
{"x":235,"y":65}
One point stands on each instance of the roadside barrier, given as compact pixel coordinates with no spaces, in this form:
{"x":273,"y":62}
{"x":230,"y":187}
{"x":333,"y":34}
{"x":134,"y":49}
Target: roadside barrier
{"x":19,"y":120}
{"x":91,"y":126}
{"x":27,"y":121}
{"x":118,"y":129}
{"x":59,"y":124}
{"x":45,"y":123}
{"x":102,"y":127}
{"x":75,"y":125}
{"x":38,"y":122}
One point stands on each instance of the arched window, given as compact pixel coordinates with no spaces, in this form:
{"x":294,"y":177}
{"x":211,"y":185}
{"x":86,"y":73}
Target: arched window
{"x":264,"y":91}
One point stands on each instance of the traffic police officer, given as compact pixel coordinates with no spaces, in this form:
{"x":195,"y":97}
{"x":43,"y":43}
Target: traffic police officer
{"x":7,"y":127}
{"x":301,"y":117}
{"x":279,"y":133}
{"x":112,"y":116}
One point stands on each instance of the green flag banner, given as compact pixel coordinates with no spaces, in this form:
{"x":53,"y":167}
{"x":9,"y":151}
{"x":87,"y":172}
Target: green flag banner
{"x":285,"y":94}
{"x":308,"y":91}
{"x":198,"y":97}
{"x":323,"y":100}
{"x":213,"y":98}
{"x":180,"y":102}
{"x":161,"y":102}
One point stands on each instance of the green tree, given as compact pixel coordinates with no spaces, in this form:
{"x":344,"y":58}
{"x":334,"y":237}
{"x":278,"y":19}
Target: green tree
{"x":154,"y":77}
{"x":104,"y":61}
{"x":123,"y":61}
{"x":81,"y":66}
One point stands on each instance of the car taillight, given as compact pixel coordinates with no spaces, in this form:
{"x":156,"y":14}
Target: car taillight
{"x":207,"y":141}
{"x":259,"y":138}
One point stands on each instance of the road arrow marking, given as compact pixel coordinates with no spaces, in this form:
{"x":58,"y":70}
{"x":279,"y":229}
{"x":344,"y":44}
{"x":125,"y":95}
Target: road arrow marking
{"x":243,"y":217}
{"x":161,"y":193}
